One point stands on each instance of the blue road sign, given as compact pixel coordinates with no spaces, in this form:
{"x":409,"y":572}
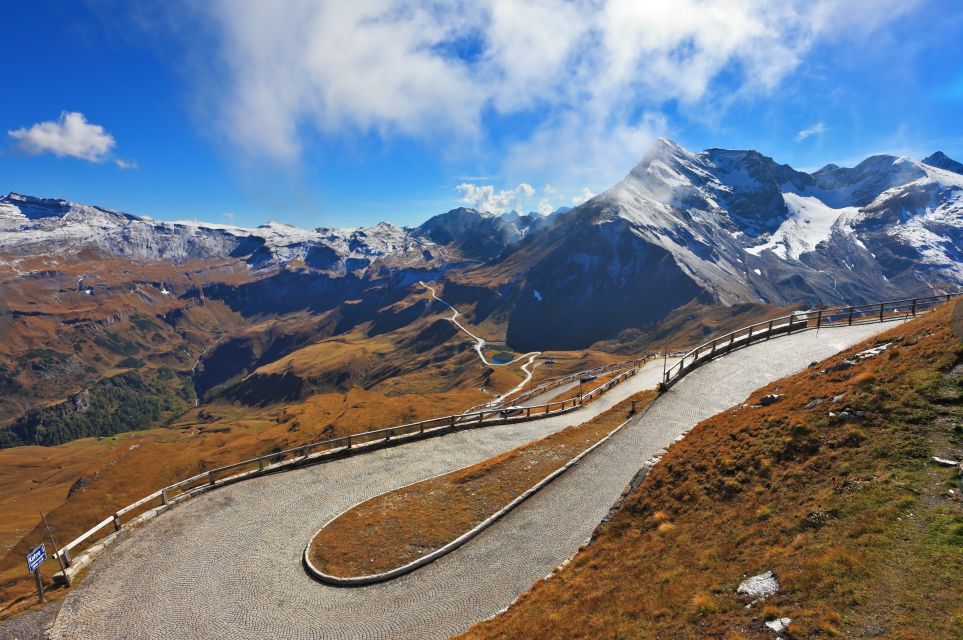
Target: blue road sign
{"x":36,"y":557}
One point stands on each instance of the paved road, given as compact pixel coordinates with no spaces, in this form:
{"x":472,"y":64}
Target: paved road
{"x":527,"y":368}
{"x":227,"y":564}
{"x":546,"y":397}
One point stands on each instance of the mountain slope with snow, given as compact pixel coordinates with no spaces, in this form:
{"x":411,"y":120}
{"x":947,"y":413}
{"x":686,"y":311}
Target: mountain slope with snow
{"x":734,"y":227}
{"x":42,"y":226}
{"x":718,"y":226}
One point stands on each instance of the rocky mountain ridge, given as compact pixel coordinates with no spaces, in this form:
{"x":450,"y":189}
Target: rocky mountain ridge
{"x":719,"y":226}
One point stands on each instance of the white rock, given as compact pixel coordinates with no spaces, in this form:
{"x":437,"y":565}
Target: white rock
{"x":761,"y":586}
{"x":779,"y":624}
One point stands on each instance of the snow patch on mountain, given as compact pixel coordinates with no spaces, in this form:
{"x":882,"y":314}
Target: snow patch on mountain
{"x":810,"y":222}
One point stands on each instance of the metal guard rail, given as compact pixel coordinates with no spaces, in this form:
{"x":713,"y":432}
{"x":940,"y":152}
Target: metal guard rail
{"x":273,"y":461}
{"x":554,"y":384}
{"x":800,"y":321}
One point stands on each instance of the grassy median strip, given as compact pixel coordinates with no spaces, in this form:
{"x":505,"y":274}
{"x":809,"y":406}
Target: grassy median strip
{"x":396,"y":528}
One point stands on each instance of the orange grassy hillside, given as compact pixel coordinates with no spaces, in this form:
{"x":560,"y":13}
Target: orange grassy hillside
{"x":833,"y":488}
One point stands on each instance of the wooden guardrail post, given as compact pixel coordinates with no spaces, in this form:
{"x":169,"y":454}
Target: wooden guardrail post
{"x":769,"y":331}
{"x":164,"y":498}
{"x":792,"y":318}
{"x":914,"y":306}
{"x":819,"y":318}
{"x":851,"y":311}
{"x":260,"y":465}
{"x":116,"y":522}
{"x":210,"y":477}
{"x":881,"y":304}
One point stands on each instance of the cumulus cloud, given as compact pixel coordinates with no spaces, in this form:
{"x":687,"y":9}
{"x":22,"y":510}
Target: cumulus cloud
{"x":816,"y":130}
{"x":69,"y":136}
{"x":583,"y":196}
{"x":486,"y":198}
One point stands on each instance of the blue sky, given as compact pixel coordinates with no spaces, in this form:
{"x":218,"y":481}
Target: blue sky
{"x":343,"y":114}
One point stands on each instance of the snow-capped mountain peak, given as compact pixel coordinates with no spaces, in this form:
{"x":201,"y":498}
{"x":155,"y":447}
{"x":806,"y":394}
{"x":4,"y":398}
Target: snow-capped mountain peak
{"x":40,"y":225}
{"x":941,"y":161}
{"x":728,"y":217}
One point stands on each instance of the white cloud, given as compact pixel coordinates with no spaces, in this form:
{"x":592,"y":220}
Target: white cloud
{"x":126,"y":164}
{"x":485,"y":198}
{"x":583,"y":196}
{"x":71,"y":136}
{"x":593,"y":75}
{"x":575,"y":149}
{"x":816,"y":130}
{"x":545,"y":207}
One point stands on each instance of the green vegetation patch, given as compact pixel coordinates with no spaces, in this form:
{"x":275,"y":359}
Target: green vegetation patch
{"x":117,"y":344}
{"x":126,"y":402}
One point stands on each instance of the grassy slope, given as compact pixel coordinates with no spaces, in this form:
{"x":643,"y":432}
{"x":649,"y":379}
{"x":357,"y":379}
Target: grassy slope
{"x":691,"y":325}
{"x":851,"y":514}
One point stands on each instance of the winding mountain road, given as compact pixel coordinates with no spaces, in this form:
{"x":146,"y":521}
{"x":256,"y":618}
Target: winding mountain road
{"x":527,"y":368}
{"x":227,"y":564}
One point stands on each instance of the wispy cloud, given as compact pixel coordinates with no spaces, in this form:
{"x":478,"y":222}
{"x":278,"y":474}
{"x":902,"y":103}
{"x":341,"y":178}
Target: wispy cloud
{"x":816,"y":130}
{"x":399,"y":67}
{"x":592,"y":78}
{"x":69,"y":136}
{"x":126,"y":164}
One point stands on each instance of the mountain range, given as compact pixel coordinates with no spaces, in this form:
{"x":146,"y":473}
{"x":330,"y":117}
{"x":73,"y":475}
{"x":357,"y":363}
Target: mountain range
{"x":719,"y":226}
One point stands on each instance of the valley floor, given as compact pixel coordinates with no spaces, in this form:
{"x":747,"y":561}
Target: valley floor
{"x":227,"y":564}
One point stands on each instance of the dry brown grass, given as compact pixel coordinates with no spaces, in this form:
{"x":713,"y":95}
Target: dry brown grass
{"x":396,"y":528}
{"x":850,"y":513}
{"x":114,"y":472}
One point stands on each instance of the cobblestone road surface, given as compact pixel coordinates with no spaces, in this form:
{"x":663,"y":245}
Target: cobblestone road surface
{"x":228,"y":563}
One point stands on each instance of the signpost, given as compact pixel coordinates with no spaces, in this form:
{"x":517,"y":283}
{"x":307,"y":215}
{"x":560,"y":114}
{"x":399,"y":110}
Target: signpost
{"x":61,"y":556}
{"x":34,"y":559}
